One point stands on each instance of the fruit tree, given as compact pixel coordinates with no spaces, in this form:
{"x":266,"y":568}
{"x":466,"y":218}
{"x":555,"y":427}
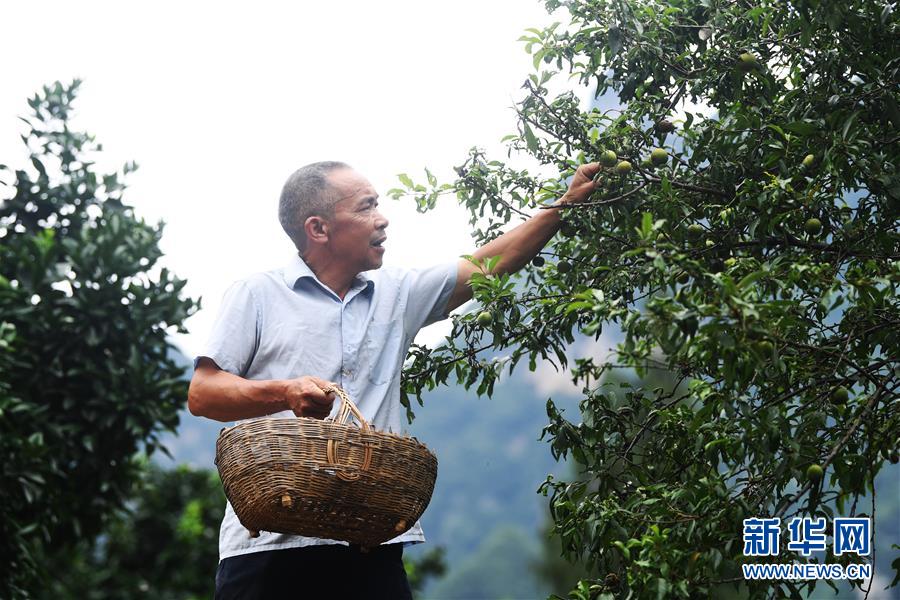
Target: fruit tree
{"x":758,"y":263}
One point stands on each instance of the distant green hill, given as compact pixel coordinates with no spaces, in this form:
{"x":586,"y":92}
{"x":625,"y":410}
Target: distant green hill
{"x":499,"y":568}
{"x":491,"y":462}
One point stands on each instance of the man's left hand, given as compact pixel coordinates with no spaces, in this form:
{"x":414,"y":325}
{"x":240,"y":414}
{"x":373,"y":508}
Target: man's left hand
{"x":582,"y":185}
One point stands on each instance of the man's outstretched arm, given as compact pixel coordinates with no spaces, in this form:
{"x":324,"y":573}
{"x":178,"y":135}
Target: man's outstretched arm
{"x":519,"y":245}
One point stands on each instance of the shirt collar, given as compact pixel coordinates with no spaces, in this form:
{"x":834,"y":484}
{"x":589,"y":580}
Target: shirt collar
{"x":297,"y":269}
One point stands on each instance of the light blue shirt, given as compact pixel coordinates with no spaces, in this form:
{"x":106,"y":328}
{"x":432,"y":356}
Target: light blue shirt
{"x":285,"y":323}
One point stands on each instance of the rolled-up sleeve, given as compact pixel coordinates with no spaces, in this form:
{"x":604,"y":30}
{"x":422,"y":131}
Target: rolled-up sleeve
{"x":429,"y":292}
{"x":234,"y":339}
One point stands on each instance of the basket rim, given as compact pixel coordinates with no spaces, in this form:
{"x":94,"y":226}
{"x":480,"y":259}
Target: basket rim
{"x":325,"y":422}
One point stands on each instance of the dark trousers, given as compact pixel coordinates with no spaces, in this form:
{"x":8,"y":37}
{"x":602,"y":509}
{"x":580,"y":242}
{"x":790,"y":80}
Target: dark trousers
{"x":315,"y":572}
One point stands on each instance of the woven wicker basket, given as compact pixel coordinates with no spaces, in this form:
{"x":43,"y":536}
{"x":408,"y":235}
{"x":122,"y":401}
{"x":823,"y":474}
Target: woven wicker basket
{"x":326,"y":479}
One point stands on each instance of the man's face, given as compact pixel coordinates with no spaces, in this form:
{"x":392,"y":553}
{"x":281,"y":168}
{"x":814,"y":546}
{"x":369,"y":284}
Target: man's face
{"x":356,"y":231}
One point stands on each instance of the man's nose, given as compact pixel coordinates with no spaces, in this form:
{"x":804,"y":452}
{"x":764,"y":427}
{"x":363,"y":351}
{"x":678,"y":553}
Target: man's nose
{"x":381,"y":221}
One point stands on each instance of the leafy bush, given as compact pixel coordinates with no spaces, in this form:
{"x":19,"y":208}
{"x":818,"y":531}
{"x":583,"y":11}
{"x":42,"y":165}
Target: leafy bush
{"x":163,"y":545}
{"x":87,"y":380}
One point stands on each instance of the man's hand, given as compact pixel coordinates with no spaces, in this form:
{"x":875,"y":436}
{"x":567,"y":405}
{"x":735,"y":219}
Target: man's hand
{"x":307,"y":398}
{"x":582,"y":184}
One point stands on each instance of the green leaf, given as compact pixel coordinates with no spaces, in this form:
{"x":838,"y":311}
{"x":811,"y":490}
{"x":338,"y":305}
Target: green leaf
{"x":662,"y":588}
{"x":625,"y":551}
{"x":750,"y":279}
{"x":778,"y":130}
{"x":405,"y":180}
{"x":530,"y":140}
{"x":646,"y":225}
{"x":849,"y":123}
{"x":804,"y":128}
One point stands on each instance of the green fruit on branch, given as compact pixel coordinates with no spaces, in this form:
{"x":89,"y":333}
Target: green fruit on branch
{"x":659,"y":156}
{"x":818,"y":418}
{"x":563,"y":267}
{"x":808,"y":161}
{"x":814,"y":473}
{"x":747,"y":62}
{"x":538,"y":261}
{"x":665,"y":126}
{"x":764,"y":347}
{"x":840,"y":395}
{"x":695,"y":231}
{"x":608,"y":158}
{"x":850,"y":228}
{"x":730,"y":261}
{"x":623,"y":168}
{"x":484,"y":319}
{"x":725,"y":214}
{"x":813,"y":226}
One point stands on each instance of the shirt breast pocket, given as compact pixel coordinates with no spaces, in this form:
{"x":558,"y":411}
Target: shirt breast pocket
{"x":382,"y":350}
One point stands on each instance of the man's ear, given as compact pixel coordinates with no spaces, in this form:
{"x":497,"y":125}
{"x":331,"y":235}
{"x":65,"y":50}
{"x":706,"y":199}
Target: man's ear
{"x":316,"y":229}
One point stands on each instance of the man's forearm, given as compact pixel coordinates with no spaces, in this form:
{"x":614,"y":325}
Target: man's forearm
{"x":223,"y":396}
{"x":515,"y":248}
{"x":519,"y":245}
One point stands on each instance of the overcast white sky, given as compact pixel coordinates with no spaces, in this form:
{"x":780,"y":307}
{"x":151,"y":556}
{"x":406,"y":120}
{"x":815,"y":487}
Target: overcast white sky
{"x":219,"y":102}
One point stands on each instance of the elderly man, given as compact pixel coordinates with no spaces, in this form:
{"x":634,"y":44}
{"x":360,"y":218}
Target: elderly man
{"x":333,"y":315}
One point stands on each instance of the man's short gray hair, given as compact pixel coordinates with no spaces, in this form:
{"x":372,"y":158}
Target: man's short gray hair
{"x":305,"y":194}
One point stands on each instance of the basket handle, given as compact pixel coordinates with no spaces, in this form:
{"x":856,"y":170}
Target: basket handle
{"x":347,"y":409}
